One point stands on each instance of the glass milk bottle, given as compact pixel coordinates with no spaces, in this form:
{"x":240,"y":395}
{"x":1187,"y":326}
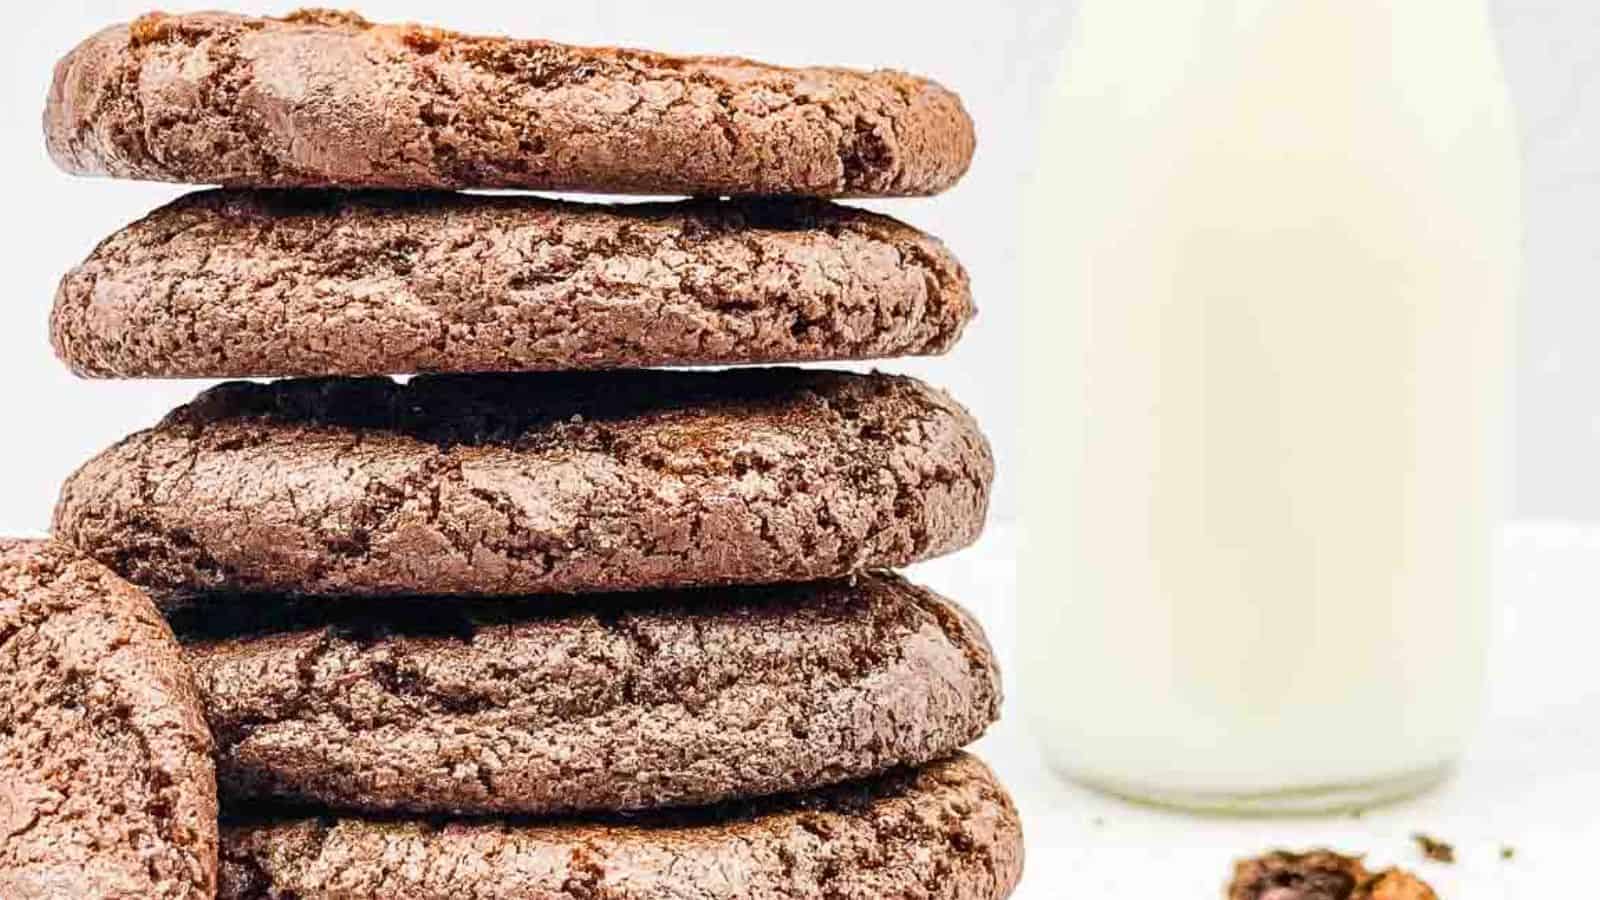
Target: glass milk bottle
{"x":1272,"y":257}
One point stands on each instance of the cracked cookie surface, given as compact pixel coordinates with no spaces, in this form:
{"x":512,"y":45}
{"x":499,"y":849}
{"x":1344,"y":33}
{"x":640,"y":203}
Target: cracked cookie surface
{"x":624,"y":703}
{"x":321,"y":99}
{"x":946,"y":832}
{"x":106,"y":780}
{"x":236,"y":284}
{"x":532,"y":484}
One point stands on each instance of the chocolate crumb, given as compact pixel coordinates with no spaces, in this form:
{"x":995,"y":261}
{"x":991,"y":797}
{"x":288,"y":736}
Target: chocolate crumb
{"x":1435,"y":849}
{"x":1394,"y":884}
{"x":1321,"y":875}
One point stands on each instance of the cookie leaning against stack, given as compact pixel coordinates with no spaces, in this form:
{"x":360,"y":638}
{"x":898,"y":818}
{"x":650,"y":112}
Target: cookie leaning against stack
{"x":107,"y":786}
{"x":516,"y":588}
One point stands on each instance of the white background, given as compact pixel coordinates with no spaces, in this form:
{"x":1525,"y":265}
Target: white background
{"x":1532,"y":780}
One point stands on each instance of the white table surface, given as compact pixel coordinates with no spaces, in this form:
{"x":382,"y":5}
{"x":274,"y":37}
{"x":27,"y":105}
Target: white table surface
{"x":1531,"y":780}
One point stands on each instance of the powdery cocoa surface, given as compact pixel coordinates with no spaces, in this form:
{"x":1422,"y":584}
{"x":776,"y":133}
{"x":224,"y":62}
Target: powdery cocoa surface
{"x":327,"y":99}
{"x":515,"y":485}
{"x":621,"y":703}
{"x":948,"y":832}
{"x":106,"y":780}
{"x":237,"y":284}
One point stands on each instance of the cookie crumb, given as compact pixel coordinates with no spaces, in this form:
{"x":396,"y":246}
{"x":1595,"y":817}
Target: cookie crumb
{"x":1321,"y":875}
{"x":1435,"y":849}
{"x":1394,"y":884}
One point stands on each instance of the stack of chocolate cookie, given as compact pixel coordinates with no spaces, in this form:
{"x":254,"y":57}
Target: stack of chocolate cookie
{"x":541,"y":622}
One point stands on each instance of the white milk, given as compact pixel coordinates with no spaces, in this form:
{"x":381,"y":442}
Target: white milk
{"x":1272,"y":259}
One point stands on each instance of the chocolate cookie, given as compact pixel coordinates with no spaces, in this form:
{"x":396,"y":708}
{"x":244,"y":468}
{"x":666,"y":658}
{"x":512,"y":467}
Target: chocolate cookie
{"x":106,"y":780}
{"x":948,"y":832}
{"x":238,"y":284}
{"x":527,"y":484}
{"x":628,"y":702}
{"x":327,"y":99}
